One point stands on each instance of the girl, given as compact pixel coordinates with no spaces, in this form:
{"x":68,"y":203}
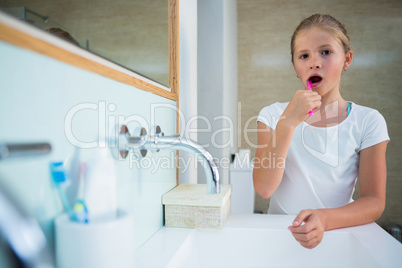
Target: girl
{"x":324,"y":153}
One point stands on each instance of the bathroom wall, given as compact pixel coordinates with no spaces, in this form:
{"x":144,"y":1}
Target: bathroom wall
{"x":217,"y":81}
{"x":374,"y":79}
{"x":188,"y":86}
{"x":42,"y":99}
{"x":208,"y":83}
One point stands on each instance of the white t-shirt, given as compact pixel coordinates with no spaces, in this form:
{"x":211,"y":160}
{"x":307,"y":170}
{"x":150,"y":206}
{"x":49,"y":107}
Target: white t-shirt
{"x":322,"y":162}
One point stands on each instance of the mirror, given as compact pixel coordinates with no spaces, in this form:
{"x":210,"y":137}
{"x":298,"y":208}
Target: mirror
{"x":131,"y":33}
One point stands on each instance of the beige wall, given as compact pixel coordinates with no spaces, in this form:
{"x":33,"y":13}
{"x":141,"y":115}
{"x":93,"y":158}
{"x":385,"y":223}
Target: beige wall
{"x":374,"y":79}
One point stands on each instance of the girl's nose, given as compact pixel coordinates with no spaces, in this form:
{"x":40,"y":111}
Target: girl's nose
{"x":315,"y":64}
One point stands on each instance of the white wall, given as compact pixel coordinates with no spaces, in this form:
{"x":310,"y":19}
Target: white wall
{"x":230,"y":67}
{"x":36,"y":95}
{"x":188,"y":85}
{"x":217,"y":80}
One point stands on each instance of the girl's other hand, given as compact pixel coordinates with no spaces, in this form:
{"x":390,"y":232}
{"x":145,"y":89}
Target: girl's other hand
{"x":310,"y":234}
{"x":302,"y":102}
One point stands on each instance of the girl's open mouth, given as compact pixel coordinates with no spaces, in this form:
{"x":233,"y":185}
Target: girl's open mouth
{"x":315,"y":80}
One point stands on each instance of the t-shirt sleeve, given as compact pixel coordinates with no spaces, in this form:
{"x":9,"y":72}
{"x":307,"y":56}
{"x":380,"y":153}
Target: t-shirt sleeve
{"x":269,"y":115}
{"x":375,"y":130}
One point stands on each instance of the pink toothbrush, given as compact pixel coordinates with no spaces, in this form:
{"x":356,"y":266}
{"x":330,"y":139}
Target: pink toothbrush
{"x":309,"y":88}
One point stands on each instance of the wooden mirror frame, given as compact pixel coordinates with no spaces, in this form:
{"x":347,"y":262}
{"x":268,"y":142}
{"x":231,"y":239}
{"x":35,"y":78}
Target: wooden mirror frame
{"x":26,"y":36}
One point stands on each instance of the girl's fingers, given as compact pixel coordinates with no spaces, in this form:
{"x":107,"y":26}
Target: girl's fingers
{"x":308,"y":240}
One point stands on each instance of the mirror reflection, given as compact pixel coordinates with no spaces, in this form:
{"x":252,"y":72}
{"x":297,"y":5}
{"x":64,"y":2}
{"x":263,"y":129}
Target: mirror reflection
{"x":131,"y":33}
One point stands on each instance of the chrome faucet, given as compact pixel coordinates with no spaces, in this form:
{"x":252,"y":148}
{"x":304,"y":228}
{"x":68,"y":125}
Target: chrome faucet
{"x":11,"y":150}
{"x":21,"y":231}
{"x":158,"y":141}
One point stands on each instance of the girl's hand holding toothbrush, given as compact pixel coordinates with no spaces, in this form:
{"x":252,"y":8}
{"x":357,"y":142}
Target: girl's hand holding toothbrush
{"x":303,"y":102}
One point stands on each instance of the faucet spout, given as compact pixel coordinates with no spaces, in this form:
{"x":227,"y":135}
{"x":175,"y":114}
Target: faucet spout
{"x":158,"y":141}
{"x":178,"y":143}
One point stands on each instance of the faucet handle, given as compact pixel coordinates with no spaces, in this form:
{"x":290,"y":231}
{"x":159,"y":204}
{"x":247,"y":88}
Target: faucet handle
{"x":143,"y":134}
{"x":123,"y":132}
{"x":123,"y":138}
{"x":157,"y":131}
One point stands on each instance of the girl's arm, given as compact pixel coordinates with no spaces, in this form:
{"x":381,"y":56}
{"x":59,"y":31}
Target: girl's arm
{"x":368,"y":208}
{"x":272,"y":148}
{"x":274,"y":144}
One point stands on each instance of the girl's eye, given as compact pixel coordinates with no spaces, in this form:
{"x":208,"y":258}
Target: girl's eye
{"x":304,"y":56}
{"x":326,"y":52}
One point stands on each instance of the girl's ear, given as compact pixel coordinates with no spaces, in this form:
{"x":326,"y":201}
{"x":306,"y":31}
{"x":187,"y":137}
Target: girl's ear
{"x":348,"y":59}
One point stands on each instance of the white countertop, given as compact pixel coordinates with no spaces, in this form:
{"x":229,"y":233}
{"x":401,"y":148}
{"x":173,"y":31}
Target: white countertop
{"x":179,"y":247}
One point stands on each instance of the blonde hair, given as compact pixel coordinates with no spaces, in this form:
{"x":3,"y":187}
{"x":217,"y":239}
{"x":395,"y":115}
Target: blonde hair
{"x":324,"y":22}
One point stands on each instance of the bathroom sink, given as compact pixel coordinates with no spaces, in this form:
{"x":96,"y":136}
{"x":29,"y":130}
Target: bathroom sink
{"x":263,"y":241}
{"x":273,"y":248}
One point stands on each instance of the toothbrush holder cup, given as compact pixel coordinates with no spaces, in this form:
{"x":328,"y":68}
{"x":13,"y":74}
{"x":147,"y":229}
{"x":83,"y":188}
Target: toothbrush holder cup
{"x":108,"y":243}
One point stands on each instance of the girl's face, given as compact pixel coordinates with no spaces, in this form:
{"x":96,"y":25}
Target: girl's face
{"x":320,"y":58}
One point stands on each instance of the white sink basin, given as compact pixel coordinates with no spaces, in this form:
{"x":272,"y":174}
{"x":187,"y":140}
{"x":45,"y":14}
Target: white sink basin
{"x":264,"y":241}
{"x":260,"y":248}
